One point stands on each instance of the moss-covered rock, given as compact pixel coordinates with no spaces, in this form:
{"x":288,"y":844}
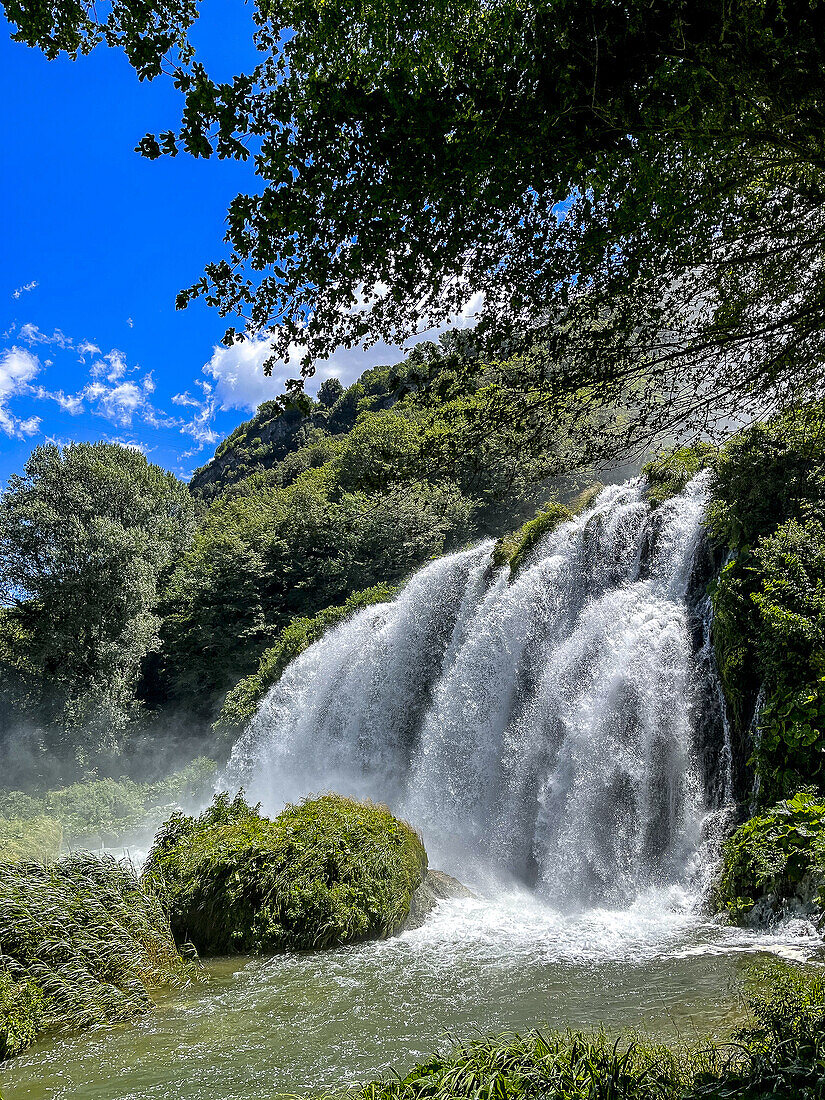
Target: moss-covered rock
{"x":325,"y":872}
{"x":515,"y":548}
{"x":776,"y":859}
{"x":21,"y":1013}
{"x":668,"y":475}
{"x":436,"y":887}
{"x":244,"y":699}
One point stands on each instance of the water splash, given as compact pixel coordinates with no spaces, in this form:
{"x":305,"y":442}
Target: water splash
{"x":550,"y":729}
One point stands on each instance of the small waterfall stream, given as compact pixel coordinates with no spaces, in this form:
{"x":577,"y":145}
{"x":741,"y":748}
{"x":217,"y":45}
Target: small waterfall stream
{"x":553,"y":729}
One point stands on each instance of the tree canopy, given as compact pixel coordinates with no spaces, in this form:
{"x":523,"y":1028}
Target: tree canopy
{"x":87,"y":536}
{"x":636,"y":190}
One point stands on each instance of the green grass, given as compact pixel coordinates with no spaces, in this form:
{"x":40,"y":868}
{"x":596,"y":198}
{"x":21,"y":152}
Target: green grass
{"x":87,"y":940}
{"x":244,"y":699}
{"x":35,"y":839}
{"x":325,"y":872}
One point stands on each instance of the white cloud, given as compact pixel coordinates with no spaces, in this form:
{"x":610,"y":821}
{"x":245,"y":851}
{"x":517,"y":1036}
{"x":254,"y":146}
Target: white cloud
{"x":130,"y":322}
{"x":238,"y":376}
{"x":186,"y":399}
{"x":148,"y":383}
{"x":112,"y":366}
{"x":71,"y":403}
{"x":86,"y":347}
{"x":32,"y":335}
{"x":133,"y":444}
{"x":117,"y":403}
{"x":18,"y":367}
{"x":25,"y":288}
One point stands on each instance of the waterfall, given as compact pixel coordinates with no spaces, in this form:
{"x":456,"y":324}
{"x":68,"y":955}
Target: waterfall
{"x":553,"y":728}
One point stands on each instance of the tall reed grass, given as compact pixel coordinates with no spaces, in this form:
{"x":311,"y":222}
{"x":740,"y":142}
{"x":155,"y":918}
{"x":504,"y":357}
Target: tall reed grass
{"x":88,"y":937}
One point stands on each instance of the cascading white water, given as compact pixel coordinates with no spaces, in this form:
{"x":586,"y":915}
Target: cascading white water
{"x":545,"y":727}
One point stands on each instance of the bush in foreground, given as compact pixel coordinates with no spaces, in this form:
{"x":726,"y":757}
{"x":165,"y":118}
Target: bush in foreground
{"x":775,"y":857}
{"x":325,"y":872}
{"x":81,"y":943}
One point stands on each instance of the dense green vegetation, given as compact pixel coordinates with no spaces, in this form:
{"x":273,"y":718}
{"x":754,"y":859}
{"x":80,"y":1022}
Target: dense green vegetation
{"x":769,"y":601}
{"x":777,"y":856}
{"x":668,"y":475}
{"x":101,"y":808}
{"x":778,"y":1055}
{"x":81,"y":943}
{"x":326,"y":872}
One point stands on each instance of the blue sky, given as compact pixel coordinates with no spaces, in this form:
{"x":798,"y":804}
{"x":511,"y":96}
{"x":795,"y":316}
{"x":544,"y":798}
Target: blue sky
{"x":97,"y":241}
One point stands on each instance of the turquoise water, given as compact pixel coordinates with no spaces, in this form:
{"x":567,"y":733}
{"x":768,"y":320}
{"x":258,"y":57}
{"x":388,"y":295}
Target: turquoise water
{"x":259,"y":1028}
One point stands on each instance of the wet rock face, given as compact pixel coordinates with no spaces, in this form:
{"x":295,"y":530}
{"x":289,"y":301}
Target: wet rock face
{"x":436,"y":887}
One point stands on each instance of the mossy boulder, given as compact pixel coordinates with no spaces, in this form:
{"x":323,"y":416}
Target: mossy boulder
{"x":325,"y":872}
{"x":776,"y":861}
{"x":436,"y":887}
{"x":515,"y":548}
{"x":21,"y":1012}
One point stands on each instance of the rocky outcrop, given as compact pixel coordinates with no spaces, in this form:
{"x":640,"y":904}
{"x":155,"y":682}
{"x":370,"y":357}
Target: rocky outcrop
{"x":436,"y":887}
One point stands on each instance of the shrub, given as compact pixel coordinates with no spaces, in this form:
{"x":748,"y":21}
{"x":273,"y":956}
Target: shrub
{"x":773,"y":854}
{"x":668,"y":475}
{"x":325,"y":872}
{"x":771,"y":473}
{"x":105,"y":807}
{"x":244,"y":699}
{"x":37,"y":839}
{"x":21,"y":1010}
{"x":90,"y":938}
